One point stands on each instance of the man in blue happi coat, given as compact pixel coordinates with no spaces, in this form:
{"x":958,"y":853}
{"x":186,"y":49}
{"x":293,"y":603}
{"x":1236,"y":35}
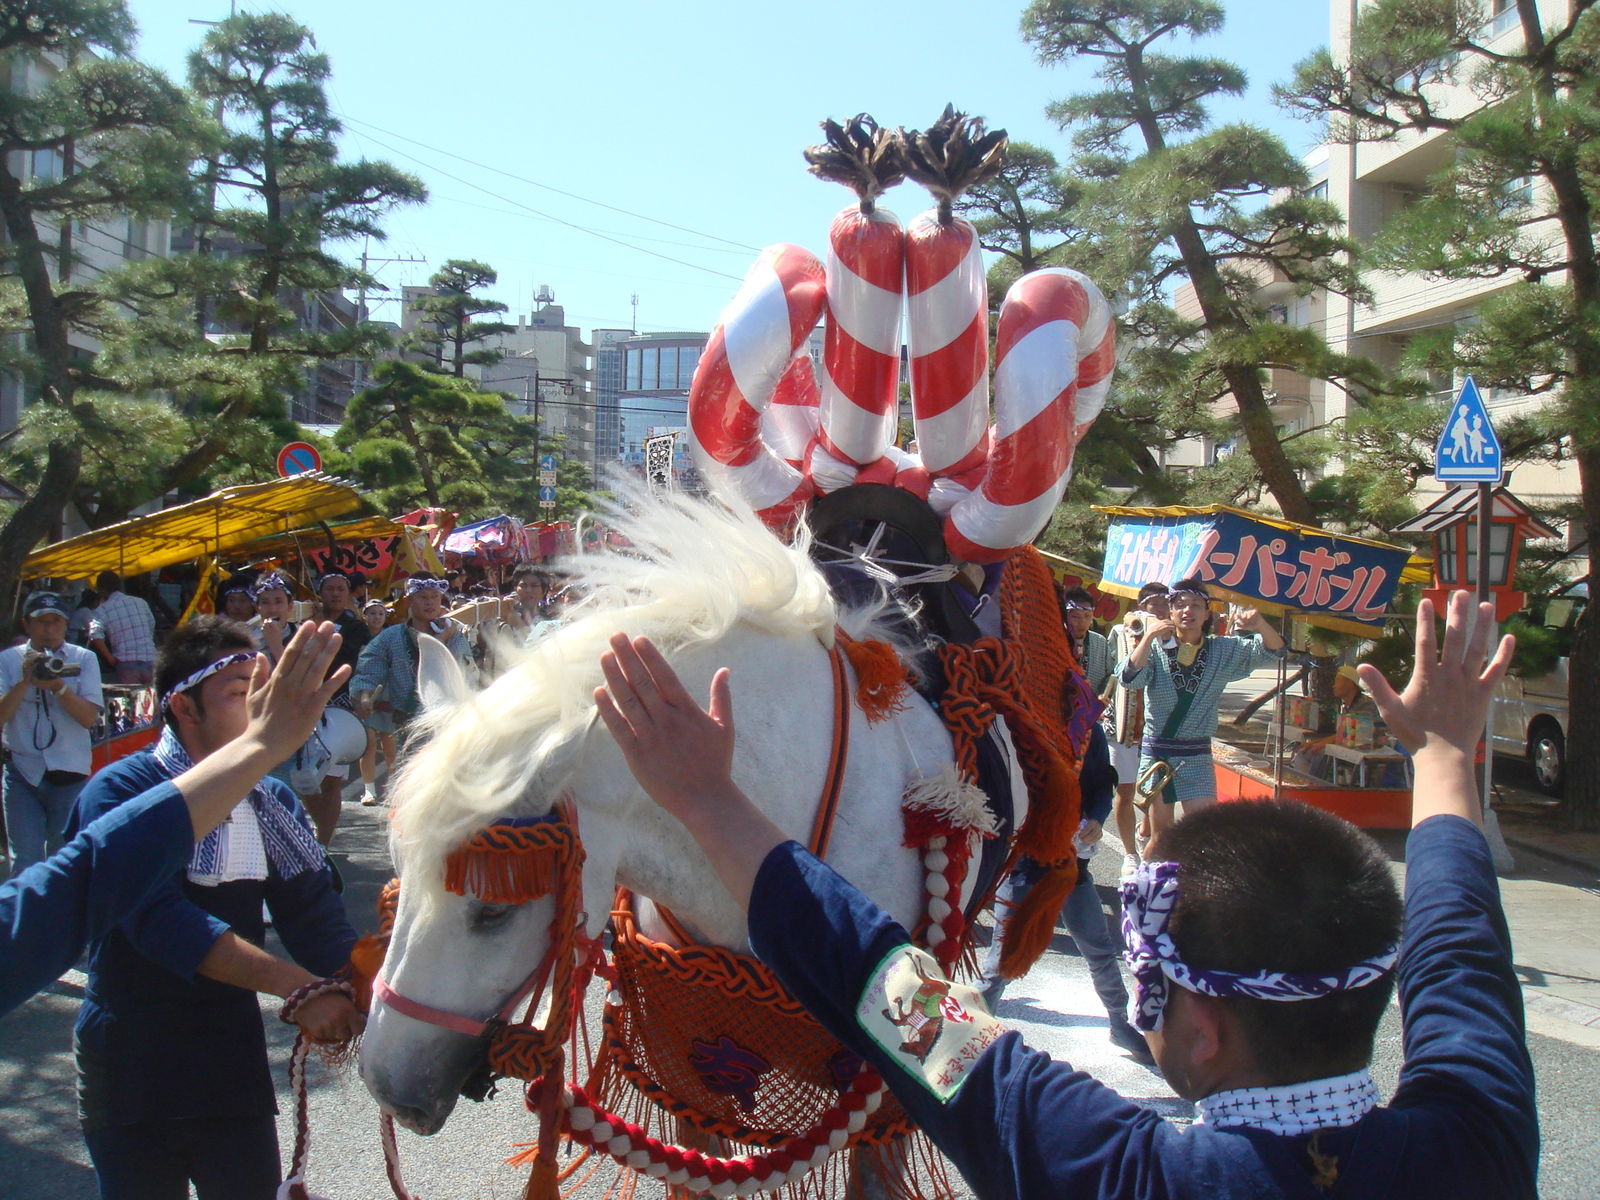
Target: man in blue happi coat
{"x":51,"y":911}
{"x":174,"y":1084}
{"x":1265,"y":941}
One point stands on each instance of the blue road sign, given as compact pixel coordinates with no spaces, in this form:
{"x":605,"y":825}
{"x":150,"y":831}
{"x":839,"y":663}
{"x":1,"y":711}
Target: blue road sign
{"x":547,"y":462}
{"x":1468,"y":450}
{"x":297,"y":458}
{"x":547,"y":493}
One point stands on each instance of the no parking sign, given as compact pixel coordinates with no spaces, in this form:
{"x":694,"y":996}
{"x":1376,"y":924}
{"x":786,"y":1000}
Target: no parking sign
{"x":298,"y":458}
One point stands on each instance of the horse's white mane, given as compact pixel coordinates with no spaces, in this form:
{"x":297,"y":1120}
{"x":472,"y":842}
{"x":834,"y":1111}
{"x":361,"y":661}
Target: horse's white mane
{"x":691,"y":572}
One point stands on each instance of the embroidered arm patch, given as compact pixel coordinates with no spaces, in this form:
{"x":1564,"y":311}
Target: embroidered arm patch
{"x":933,"y":1029}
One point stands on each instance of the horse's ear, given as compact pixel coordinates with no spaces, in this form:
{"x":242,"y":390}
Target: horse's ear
{"x":440,"y":679}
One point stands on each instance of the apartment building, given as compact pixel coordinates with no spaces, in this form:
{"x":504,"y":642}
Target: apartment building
{"x":1371,"y":182}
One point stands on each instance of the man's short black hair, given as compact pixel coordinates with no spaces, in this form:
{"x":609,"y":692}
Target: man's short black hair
{"x":1077,"y":595}
{"x":107,"y":582}
{"x":1276,"y":885}
{"x":1154,"y":588}
{"x":197,"y":644}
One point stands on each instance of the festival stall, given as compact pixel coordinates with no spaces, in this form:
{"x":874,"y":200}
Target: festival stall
{"x":200,"y":532}
{"x":1307,"y":577}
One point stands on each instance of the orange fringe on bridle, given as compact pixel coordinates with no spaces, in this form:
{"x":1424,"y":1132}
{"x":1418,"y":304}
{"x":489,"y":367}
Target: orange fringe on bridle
{"x":881,"y":677}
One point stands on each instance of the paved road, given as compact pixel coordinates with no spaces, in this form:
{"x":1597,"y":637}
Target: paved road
{"x":1553,"y":911}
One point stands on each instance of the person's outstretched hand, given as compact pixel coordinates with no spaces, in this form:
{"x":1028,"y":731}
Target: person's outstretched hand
{"x":1440,"y":715}
{"x":1447,"y":699}
{"x":285,"y":701}
{"x":677,"y":750}
{"x":682,"y":755}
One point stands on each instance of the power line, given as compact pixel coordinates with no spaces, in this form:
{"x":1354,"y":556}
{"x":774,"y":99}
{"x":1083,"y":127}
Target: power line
{"x":558,"y":220}
{"x":549,"y":188}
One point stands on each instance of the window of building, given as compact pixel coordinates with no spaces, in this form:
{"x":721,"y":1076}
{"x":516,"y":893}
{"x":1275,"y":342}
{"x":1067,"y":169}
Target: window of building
{"x":1519,"y":191}
{"x":688,"y":360}
{"x":1318,"y":191}
{"x":633,"y":370}
{"x":669,"y":367}
{"x":648,"y":372}
{"x":1502,"y":19}
{"x":46,"y":165}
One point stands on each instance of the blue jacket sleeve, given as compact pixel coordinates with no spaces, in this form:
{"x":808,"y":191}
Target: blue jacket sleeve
{"x":167,"y":928}
{"x":1097,"y":778}
{"x":52,"y":910}
{"x":1020,"y":1124}
{"x":1467,"y":1072}
{"x":307,"y":913}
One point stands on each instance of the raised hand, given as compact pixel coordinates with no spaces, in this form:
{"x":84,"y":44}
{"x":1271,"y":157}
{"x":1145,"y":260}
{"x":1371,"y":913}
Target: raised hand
{"x":1447,"y":699}
{"x":677,"y":750}
{"x":285,"y":701}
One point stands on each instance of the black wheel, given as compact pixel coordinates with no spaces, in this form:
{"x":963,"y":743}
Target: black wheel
{"x":1547,"y":755}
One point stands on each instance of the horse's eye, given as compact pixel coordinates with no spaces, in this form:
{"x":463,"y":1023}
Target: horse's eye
{"x":490,"y":916}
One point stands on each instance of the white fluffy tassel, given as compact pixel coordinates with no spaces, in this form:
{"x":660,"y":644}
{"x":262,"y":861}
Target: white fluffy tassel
{"x":949,"y":796}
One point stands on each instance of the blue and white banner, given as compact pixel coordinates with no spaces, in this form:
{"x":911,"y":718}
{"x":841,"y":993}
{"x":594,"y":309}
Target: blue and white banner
{"x":1257,"y":562}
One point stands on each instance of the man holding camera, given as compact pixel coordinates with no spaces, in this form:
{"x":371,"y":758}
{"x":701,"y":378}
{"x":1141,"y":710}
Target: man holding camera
{"x":50,"y":700}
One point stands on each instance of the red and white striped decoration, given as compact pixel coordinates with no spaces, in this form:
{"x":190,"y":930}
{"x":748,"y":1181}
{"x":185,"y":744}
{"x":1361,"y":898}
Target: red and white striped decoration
{"x":1055,"y":350}
{"x":948,"y":324}
{"x":773,"y":313}
{"x":861,"y":353}
{"x":790,"y":422}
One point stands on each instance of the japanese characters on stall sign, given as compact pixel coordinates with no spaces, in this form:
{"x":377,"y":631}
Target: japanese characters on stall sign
{"x":1314,"y":573}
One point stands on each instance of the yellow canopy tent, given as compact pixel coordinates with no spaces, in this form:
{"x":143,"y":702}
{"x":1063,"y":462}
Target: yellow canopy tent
{"x":1330,"y":580}
{"x":314,"y":537}
{"x":203,"y":528}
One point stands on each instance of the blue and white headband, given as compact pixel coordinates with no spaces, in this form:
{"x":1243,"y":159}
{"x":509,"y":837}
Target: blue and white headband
{"x":203,"y":674}
{"x":1149,"y":896}
{"x":267,"y":582}
{"x":416,"y":584}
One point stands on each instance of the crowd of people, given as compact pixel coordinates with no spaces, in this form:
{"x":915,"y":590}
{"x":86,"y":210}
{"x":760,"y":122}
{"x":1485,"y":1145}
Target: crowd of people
{"x":171,"y":862}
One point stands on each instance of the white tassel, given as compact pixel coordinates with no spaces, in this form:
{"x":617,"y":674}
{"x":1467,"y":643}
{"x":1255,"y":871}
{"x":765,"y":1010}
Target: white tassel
{"x":950,"y":796}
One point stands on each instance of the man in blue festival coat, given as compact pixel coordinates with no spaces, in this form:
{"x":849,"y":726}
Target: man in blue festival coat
{"x":1263,"y":942}
{"x":51,"y":911}
{"x":173,"y":1080}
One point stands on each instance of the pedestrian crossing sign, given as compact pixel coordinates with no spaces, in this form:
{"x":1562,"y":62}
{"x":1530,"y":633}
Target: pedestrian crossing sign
{"x":1468,"y":450}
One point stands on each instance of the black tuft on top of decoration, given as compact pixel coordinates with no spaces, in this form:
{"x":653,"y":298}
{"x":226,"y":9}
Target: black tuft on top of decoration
{"x":955,"y":153}
{"x":860,"y":154}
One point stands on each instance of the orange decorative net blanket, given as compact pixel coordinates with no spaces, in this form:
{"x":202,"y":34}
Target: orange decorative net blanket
{"x":711,"y":1045}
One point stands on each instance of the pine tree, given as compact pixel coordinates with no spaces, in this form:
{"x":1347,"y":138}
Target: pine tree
{"x":226,"y":327}
{"x":1519,"y":116}
{"x":448,"y":328}
{"x":1170,"y":197}
{"x":85,"y":134}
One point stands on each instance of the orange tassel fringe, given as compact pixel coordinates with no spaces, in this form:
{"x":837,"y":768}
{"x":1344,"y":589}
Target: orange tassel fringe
{"x":500,"y":874}
{"x":880,"y":677}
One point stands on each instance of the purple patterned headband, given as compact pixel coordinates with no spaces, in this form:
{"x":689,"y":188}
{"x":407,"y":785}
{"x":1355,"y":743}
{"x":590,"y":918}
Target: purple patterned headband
{"x":416,"y":584}
{"x":1149,"y":896}
{"x":268,"y":582}
{"x":205,"y":673}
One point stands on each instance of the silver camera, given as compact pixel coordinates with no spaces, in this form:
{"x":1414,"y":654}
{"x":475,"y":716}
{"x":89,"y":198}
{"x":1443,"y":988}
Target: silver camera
{"x":53,"y":666}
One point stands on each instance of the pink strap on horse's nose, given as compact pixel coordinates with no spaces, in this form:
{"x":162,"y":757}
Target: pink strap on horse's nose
{"x":422,"y":1012}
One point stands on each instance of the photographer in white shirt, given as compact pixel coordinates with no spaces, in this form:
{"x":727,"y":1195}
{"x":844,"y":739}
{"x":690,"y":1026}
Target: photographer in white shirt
{"x":49,"y":701}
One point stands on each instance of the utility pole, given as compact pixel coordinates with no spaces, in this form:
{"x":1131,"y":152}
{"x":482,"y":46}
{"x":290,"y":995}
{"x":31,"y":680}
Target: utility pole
{"x":636,"y":312}
{"x":361,"y":300}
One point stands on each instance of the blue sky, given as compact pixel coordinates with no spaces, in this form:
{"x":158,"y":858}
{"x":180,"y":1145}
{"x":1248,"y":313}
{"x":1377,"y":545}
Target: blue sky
{"x":693,"y":114}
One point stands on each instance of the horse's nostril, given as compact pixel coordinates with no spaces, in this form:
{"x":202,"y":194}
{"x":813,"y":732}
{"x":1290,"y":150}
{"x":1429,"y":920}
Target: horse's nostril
{"x":416,"y":1118}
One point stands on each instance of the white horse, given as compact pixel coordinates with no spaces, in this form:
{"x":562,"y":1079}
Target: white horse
{"x":714,"y":588}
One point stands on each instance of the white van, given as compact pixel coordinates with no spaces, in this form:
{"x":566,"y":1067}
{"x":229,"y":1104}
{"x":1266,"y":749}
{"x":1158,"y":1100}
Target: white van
{"x":1530,"y":715}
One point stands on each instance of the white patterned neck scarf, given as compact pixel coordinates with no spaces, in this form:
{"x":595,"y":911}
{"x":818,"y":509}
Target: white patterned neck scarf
{"x":289,"y":845}
{"x":1296,"y":1108}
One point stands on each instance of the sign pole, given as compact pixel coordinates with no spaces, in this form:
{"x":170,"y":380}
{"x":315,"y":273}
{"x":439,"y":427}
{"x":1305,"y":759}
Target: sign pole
{"x":1498,"y":849}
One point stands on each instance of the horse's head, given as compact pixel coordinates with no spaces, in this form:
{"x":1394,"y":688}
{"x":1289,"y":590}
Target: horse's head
{"x":475,"y":916}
